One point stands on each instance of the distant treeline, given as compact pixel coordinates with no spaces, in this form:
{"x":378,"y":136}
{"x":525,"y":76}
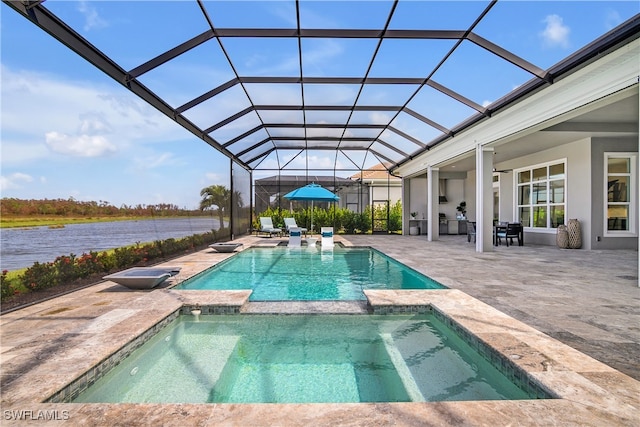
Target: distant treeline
{"x":11,"y":207}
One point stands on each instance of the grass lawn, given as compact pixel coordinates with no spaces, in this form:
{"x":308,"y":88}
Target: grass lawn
{"x":60,"y":221}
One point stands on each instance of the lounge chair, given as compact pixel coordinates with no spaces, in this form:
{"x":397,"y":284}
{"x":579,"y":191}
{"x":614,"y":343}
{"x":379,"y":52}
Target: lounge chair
{"x":266,"y":226}
{"x":295,"y":237}
{"x":327,"y":237}
{"x":291,"y":222}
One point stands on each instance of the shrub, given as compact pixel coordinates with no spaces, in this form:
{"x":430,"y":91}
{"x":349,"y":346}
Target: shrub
{"x":88,"y":264}
{"x":6,"y":287}
{"x":39,"y":276}
{"x":65,"y":267}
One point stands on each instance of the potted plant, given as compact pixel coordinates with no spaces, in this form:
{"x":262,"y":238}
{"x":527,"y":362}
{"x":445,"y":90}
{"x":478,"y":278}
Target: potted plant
{"x":413,"y":215}
{"x":462,"y":208}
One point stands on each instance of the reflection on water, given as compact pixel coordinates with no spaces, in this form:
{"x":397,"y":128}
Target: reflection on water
{"x":21,"y":247}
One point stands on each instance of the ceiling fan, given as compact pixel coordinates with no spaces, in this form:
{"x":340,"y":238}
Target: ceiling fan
{"x":502,"y":170}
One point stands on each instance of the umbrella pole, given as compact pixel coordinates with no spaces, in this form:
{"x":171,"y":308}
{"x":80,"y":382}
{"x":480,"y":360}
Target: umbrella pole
{"x":312,"y":217}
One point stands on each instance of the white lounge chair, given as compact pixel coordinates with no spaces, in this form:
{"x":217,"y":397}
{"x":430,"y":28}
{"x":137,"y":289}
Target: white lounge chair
{"x":295,"y":237}
{"x":291,"y":222}
{"x":266,"y":226}
{"x":327,"y":237}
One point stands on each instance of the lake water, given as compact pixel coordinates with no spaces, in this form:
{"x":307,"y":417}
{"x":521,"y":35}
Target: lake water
{"x":21,"y":247}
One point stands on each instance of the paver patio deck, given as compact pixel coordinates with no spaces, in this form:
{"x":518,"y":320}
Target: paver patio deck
{"x":520,"y":300}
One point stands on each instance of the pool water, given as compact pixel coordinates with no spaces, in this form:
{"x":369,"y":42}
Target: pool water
{"x":302,"y":359}
{"x":281,"y":273}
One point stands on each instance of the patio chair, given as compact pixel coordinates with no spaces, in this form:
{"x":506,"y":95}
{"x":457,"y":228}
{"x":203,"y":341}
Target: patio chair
{"x":327,"y":237}
{"x":291,"y":223}
{"x":266,"y":226}
{"x":471,"y":231}
{"x":295,"y":237}
{"x":508,"y":233}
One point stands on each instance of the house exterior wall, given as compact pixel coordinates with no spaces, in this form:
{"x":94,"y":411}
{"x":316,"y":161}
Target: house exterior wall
{"x":598,"y":147}
{"x":578,"y":177}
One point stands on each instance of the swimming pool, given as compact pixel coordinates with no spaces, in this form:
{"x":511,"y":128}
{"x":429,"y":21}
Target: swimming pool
{"x":303,"y":359}
{"x":282,"y":273}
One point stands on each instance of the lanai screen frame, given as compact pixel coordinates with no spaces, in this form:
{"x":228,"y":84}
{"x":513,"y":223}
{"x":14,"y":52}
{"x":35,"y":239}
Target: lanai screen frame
{"x":251,"y":157}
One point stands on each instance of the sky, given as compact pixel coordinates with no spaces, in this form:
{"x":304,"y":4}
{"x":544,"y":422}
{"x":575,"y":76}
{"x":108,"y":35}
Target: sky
{"x":69,"y":131}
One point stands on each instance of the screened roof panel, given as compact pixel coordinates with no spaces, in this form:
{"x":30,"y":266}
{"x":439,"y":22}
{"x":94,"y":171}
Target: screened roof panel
{"x":344,"y":14}
{"x":544,"y":32}
{"x":218,"y":108}
{"x":492,"y":76}
{"x":298,"y":132}
{"x":375,"y":81}
{"x":366,"y":133}
{"x":351,"y":158}
{"x":145,"y":38}
{"x":392,"y":59}
{"x":337,"y":57}
{"x":326,"y":116}
{"x":440,"y":108}
{"x":259,"y":56}
{"x":251,"y":14}
{"x":401,"y":142}
{"x":290,"y":143}
{"x":276,"y":116}
{"x":247,"y":143}
{"x":436,"y":15}
{"x":282,"y":94}
{"x":380,"y":94}
{"x":205,"y":65}
{"x":415,"y":127}
{"x":330,"y":94}
{"x":374,"y":117}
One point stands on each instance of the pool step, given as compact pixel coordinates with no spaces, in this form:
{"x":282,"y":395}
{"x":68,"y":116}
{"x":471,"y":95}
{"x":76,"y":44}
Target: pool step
{"x":306,"y":307}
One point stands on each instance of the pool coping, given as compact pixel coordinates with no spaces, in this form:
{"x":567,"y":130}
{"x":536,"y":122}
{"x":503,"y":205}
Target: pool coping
{"x":590,"y":392}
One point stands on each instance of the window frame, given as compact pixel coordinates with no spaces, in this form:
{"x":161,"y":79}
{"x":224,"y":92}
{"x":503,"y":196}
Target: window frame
{"x":633,"y":190}
{"x":548,"y":204}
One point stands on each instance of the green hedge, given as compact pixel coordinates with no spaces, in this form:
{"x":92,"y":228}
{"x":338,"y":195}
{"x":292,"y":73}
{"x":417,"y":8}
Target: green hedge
{"x":69,"y":268}
{"x":342,"y":220}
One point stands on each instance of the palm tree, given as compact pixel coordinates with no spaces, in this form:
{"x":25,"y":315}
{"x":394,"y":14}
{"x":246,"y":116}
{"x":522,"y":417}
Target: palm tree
{"x":216,"y":195}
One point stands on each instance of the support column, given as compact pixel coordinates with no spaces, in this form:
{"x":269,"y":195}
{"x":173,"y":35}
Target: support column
{"x":433,"y":207}
{"x":484,"y":201}
{"x":406,"y":205}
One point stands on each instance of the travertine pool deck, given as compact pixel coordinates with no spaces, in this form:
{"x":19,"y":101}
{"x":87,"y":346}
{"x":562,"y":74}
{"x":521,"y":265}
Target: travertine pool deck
{"x":551,"y":312}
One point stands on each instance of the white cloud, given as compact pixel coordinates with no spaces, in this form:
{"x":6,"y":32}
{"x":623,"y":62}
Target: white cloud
{"x":79,"y":146}
{"x":155,"y":161}
{"x":555,"y":32}
{"x":76,"y":118}
{"x":14,"y":181}
{"x":213,"y":178}
{"x":612,"y":19}
{"x":91,"y":18}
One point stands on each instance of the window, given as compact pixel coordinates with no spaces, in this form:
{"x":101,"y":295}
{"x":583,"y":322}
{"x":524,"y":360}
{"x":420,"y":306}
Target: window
{"x":620,"y":178}
{"x":541,"y":195}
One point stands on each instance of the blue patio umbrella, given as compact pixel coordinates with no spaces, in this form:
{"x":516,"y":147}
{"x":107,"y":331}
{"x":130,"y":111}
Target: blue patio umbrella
{"x":312,"y":192}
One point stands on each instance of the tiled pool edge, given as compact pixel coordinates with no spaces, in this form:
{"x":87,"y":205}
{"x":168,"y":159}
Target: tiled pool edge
{"x":80,"y":384}
{"x":498,"y":360}
{"x":501,"y":362}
